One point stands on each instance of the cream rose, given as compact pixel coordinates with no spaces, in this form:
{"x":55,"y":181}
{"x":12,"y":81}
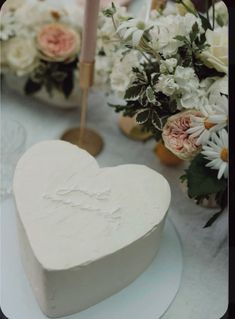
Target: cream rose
{"x":216,"y":56}
{"x":58,"y":42}
{"x":22,"y":56}
{"x":176,"y":138}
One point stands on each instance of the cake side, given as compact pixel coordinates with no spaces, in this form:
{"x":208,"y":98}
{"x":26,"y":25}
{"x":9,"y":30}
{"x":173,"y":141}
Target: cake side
{"x":65,"y":292}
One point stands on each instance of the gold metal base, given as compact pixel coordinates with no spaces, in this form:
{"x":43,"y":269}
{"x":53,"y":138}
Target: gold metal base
{"x":92,"y":142}
{"x":133,"y":130}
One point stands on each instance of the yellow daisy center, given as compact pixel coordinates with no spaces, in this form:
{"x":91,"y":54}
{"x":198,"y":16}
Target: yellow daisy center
{"x":224,"y":154}
{"x":208,"y":124}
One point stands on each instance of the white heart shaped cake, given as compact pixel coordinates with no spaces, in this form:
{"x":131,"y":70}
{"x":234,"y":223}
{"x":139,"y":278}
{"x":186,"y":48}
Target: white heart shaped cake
{"x":85,"y":232}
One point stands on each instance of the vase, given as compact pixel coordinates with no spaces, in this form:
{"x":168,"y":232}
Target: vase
{"x":165,"y":156}
{"x":57,"y":99}
{"x":132,"y":129}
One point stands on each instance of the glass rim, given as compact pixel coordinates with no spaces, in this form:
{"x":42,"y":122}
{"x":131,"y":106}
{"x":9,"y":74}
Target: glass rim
{"x":23,"y":132}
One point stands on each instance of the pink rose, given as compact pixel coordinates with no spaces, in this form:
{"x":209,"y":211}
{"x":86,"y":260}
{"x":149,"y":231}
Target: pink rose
{"x":176,"y":138}
{"x":58,"y":42}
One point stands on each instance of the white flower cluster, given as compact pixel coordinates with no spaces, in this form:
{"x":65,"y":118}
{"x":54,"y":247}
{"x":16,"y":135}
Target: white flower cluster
{"x":19,"y":29}
{"x":168,"y":38}
{"x":22,"y":27}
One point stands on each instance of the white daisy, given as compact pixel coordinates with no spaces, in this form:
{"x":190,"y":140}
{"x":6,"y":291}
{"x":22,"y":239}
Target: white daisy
{"x":133,"y":29}
{"x":216,"y":151}
{"x":214,"y":118}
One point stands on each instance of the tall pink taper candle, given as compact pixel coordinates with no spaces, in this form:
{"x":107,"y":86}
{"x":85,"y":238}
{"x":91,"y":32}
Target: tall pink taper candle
{"x":90,"y":31}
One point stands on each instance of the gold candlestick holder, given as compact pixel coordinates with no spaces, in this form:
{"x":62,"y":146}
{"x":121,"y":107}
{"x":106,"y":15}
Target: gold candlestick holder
{"x":82,"y":136}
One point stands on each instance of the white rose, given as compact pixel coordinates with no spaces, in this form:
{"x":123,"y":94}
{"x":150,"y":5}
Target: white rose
{"x":166,"y":84}
{"x":22,"y":55}
{"x":167,"y":28}
{"x":168,"y":66}
{"x":216,"y":56}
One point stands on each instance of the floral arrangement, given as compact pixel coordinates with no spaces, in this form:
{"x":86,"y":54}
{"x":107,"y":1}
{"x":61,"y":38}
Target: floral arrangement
{"x":40,"y":44}
{"x":171,"y":71}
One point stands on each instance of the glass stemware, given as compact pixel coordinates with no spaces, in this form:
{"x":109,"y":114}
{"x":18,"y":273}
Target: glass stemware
{"x":13,"y":139}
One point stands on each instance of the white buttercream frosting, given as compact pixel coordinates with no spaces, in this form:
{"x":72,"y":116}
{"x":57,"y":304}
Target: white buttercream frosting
{"x":74,"y":212}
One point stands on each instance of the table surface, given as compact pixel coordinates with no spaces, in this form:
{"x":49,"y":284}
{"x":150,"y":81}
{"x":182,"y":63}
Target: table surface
{"x":204,"y":288}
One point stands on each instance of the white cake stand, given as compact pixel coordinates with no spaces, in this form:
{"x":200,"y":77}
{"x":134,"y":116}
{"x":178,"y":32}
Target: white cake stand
{"x":147,"y":297}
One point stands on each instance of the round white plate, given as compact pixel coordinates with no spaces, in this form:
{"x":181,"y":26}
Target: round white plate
{"x":147,"y":297}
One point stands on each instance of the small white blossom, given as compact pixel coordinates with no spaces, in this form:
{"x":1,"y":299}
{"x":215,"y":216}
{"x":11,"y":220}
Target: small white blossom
{"x":9,"y":26}
{"x":133,"y":29}
{"x":165,"y":29}
{"x":216,"y":151}
{"x":168,"y":66}
{"x":122,"y":74}
{"x":167,"y":85}
{"x":188,"y":84}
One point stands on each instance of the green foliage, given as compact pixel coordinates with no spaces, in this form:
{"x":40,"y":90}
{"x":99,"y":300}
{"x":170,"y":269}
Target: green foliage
{"x":143,"y":116}
{"x":110,"y":11}
{"x":150,"y":107}
{"x":150,"y":95}
{"x":194,"y":32}
{"x":202,"y":180}
{"x":32,"y":87}
{"x":205,"y":22}
{"x":53,"y":76}
{"x":220,"y":20}
{"x":132,"y":92}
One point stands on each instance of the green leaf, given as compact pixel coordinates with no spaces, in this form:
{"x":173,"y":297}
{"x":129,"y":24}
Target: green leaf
{"x":133,"y":92}
{"x":143,"y":116}
{"x":194,"y":33}
{"x":150,"y":95}
{"x":202,"y":180}
{"x":110,"y":11}
{"x":181,"y":38}
{"x":183,"y":178}
{"x":68,"y":84}
{"x":220,"y":20}
{"x":32,"y":87}
{"x":213,"y":219}
{"x":156,"y":121}
{"x":205,"y":22}
{"x":59,"y":76}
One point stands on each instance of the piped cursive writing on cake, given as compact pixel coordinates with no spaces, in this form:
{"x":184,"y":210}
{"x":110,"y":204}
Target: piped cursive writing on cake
{"x":86,"y":201}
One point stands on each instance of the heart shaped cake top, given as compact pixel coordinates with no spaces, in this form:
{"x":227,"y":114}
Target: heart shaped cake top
{"x":74,"y":212}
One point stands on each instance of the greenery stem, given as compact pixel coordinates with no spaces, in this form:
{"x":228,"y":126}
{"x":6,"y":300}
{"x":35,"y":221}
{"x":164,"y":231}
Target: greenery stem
{"x":213,"y":8}
{"x":114,"y":23}
{"x":207,"y":10}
